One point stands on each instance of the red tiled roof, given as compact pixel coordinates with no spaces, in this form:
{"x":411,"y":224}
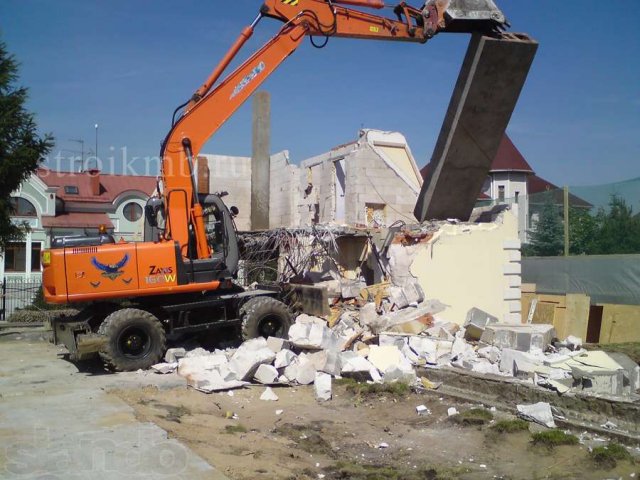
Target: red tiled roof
{"x":509,"y":158}
{"x":536,"y":184}
{"x":110,"y":185}
{"x":77,"y":220}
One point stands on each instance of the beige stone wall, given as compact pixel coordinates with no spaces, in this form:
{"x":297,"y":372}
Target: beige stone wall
{"x":473,"y":265}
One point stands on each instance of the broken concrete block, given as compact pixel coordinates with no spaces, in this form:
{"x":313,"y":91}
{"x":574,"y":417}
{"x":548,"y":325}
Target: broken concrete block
{"x":538,"y":412}
{"x":631,"y":372}
{"x":355,"y":365}
{"x":265,"y":374}
{"x":386,"y":339}
{"x":212,"y":381}
{"x":476,"y":322}
{"x":384,"y":357}
{"x":351,"y":288}
{"x":523,"y":337}
{"x":412,"y":356}
{"x":305,"y":373}
{"x":249,"y":356}
{"x":517,"y":363}
{"x":573,"y":343}
{"x":269,"y":395}
{"x":284,"y":358}
{"x":174,"y":354}
{"x":197,"y":352}
{"x":452,"y":411}
{"x":485,"y":367}
{"x":313,"y":336}
{"x":410,"y":293}
{"x":165,"y":368}
{"x":291,"y":371}
{"x":422,"y":410}
{"x":327,"y":361}
{"x":276,"y":344}
{"x":490,"y":353}
{"x":322,"y":386}
{"x":370,"y":319}
{"x":425,"y":348}
{"x":400,"y":373}
{"x":190,"y":365}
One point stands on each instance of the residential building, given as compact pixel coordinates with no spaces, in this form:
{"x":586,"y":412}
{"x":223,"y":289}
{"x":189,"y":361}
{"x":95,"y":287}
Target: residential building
{"x":54,"y":204}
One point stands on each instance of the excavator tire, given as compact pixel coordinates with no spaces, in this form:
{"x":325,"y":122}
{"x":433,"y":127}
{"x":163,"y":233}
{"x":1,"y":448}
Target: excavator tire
{"x":264,"y":317}
{"x":135,"y":339}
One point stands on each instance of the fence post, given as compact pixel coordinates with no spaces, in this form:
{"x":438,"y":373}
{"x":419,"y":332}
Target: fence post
{"x":566,"y":221}
{"x":4,"y":298}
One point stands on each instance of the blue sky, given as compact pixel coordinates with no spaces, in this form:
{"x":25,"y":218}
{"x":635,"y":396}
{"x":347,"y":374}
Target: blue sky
{"x":126,"y":64}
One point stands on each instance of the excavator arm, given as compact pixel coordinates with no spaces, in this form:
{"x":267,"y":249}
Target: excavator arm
{"x":215,"y":101}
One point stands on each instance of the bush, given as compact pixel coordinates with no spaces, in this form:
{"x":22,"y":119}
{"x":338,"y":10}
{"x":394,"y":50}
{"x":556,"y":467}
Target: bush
{"x":607,"y":456}
{"x":553,"y":438}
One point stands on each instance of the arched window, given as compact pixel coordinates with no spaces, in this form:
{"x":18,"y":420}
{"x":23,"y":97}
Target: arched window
{"x":132,"y":211}
{"x":23,"y":208}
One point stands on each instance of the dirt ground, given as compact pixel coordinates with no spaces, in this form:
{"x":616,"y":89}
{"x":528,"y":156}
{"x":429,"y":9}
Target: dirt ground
{"x":355,"y":436}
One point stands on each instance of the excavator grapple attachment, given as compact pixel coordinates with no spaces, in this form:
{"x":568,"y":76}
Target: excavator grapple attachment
{"x":465,"y":16}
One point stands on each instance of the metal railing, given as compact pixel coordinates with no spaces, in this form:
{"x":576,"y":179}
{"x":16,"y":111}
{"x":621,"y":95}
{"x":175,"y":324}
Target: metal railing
{"x":17,"y":293}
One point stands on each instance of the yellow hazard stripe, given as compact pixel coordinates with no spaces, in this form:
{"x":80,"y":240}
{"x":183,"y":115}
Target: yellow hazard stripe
{"x":293,"y":3}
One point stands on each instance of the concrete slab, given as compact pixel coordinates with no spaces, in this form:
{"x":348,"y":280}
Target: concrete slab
{"x":59,"y":423}
{"x":489,"y":84}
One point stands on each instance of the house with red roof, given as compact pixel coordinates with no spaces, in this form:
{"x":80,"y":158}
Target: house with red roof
{"x":512,"y":181}
{"x":55,"y":203}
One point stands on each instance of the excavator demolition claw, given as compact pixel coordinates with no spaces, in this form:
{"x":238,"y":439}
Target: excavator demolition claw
{"x":461,"y":16}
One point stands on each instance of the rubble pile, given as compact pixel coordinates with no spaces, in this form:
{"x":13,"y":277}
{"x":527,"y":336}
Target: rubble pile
{"x":378,"y":341}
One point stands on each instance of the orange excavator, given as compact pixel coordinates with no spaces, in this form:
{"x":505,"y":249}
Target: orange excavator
{"x":181,"y":278}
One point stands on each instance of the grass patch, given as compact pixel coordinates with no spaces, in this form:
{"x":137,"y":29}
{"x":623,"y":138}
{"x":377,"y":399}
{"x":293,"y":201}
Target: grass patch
{"x":510,"y":426}
{"x":607,"y":456}
{"x":632,"y":348}
{"x":473,"y":416}
{"x":174,"y":413}
{"x":233,"y":429}
{"x":361,"y":389}
{"x":553,"y":438}
{"x":359,"y":471}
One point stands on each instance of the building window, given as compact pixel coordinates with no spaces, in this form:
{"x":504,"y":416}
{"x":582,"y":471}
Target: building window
{"x":22,"y":207}
{"x":15,"y":257}
{"x":71,"y":190}
{"x":376,"y":215}
{"x":501,"y":193}
{"x":132,"y":212}
{"x":517,"y":197}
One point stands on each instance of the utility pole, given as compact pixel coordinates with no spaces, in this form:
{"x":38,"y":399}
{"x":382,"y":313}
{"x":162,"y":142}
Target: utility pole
{"x":96,"y":145}
{"x":566,"y":221}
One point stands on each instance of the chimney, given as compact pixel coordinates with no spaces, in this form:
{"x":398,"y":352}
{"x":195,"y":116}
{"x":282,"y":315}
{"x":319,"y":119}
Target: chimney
{"x":203,"y":174}
{"x":260,"y":161}
{"x":94,"y":181}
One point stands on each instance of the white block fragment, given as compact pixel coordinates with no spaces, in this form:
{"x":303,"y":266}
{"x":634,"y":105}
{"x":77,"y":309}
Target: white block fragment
{"x":538,"y":412}
{"x":174,"y":354}
{"x":452,"y":411}
{"x":164,"y":368}
{"x":269,"y":395}
{"x":322,"y":386}
{"x":422,"y":410}
{"x":284,"y":358}
{"x":266,"y":374}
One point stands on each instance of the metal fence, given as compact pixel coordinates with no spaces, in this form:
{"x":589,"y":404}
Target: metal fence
{"x":17,"y":293}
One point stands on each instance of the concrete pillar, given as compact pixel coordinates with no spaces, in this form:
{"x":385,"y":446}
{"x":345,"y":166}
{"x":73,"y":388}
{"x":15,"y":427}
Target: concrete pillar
{"x":260,"y":161}
{"x":489,"y":84}
{"x":202,"y":174}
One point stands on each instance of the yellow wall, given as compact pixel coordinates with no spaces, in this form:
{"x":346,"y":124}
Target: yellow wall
{"x":462,"y":266}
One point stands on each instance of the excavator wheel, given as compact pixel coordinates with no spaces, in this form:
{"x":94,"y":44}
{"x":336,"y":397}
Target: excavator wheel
{"x":264,"y":317}
{"x":135,"y":339}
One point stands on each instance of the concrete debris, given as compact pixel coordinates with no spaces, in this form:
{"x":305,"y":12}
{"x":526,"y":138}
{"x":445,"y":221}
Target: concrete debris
{"x":174,"y":354}
{"x":266,"y":374}
{"x":164,"y":368}
{"x":322,"y":386}
{"x":197,"y":352}
{"x":476,"y":322}
{"x":538,"y":412}
{"x":451,"y":411}
{"x":284,"y":358}
{"x":269,"y":396}
{"x":523,"y":337}
{"x":249,"y":356}
{"x":276,"y":344}
{"x":422,"y":410}
{"x":212,"y":381}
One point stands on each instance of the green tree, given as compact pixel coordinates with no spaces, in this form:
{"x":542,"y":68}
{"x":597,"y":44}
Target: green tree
{"x":21,"y":148}
{"x":583,"y":231}
{"x":547,"y":236}
{"x":619,"y":230}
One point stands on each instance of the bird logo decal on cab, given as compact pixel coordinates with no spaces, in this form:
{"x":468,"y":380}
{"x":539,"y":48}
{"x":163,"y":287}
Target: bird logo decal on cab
{"x":112,"y":270}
